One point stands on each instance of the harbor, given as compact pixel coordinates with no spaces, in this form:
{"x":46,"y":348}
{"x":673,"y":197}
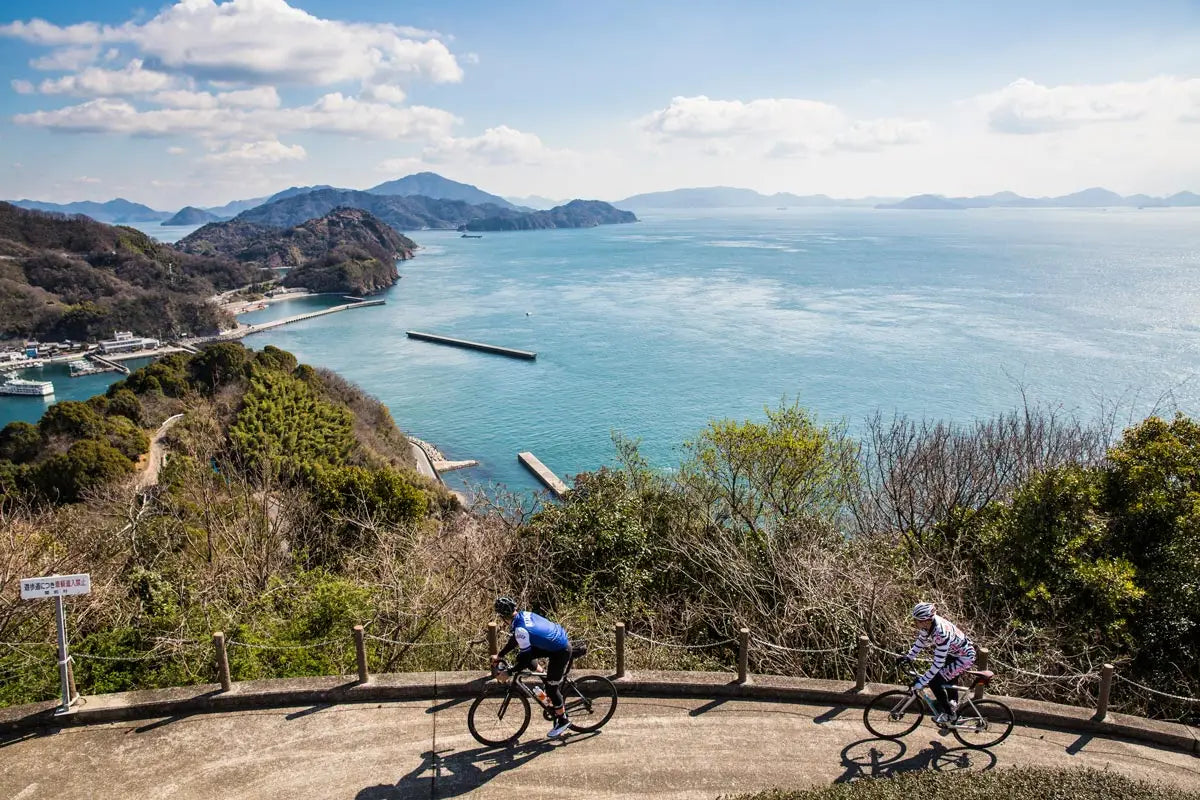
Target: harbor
{"x":247,"y":330}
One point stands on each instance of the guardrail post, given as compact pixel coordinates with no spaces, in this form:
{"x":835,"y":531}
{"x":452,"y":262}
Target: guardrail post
{"x":222,"y":661}
{"x":360,"y":653}
{"x":493,"y":647}
{"x":743,"y":654}
{"x":619,"y":629}
{"x":1106,"y":676}
{"x":72,"y":693}
{"x":860,"y":673}
{"x":981,"y":663}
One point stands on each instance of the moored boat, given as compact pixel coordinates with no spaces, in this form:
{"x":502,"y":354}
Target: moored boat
{"x":17,"y":386}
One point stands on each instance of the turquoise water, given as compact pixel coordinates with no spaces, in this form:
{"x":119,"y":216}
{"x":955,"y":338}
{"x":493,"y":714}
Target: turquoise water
{"x":654,"y":328}
{"x":30,"y":409}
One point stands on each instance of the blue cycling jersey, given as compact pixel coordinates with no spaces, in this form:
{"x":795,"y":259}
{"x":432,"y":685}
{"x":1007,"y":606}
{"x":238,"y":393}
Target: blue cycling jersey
{"x":531,"y":630}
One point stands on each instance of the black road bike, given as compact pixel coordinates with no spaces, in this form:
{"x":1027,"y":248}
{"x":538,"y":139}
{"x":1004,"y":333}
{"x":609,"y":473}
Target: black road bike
{"x":978,"y":724}
{"x":502,"y":712}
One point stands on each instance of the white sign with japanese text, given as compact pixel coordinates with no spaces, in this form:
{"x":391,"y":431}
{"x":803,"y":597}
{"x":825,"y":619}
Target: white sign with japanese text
{"x":55,"y":586}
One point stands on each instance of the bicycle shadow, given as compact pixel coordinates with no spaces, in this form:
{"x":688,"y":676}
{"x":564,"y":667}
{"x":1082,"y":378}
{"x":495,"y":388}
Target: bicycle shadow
{"x":446,"y":773}
{"x":884,"y":758}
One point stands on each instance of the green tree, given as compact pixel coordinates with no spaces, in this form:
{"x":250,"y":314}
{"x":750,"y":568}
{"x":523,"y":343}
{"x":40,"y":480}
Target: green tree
{"x":20,"y":442}
{"x":88,"y":464}
{"x":125,"y":403}
{"x":73,"y":420}
{"x":1152,"y":493}
{"x":762,"y":477}
{"x":219,"y":364}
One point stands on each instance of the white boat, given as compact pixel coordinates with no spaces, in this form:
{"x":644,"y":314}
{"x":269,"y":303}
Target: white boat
{"x":17,"y":386}
{"x":82,"y":367}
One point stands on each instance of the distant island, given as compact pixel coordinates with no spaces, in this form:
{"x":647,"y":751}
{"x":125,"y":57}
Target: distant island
{"x":731,"y":197}
{"x":416,"y":212}
{"x":347,"y":250}
{"x":190,"y":215}
{"x":1095,"y":197}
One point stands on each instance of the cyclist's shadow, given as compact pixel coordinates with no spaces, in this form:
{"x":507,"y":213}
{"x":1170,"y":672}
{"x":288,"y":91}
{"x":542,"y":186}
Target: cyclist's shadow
{"x":454,"y":774}
{"x":883,"y":758}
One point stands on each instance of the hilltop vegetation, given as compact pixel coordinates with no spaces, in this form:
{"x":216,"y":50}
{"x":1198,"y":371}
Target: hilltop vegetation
{"x":346,"y":250}
{"x":74,"y":278}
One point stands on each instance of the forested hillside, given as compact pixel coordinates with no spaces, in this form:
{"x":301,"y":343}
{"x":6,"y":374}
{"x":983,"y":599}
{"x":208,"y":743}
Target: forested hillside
{"x":74,"y":278}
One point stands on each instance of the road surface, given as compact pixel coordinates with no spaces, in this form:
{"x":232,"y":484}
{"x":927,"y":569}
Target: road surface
{"x":421,"y":749}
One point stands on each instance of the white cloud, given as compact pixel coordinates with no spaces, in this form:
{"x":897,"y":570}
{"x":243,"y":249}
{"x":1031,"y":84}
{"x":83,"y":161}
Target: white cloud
{"x":1026,"y":107}
{"x":384,"y":93}
{"x":176,"y":151}
{"x":495,"y":146}
{"x":263,"y":41}
{"x":97,"y":82}
{"x":86,"y":179}
{"x":332,"y":113}
{"x":259,"y":97}
{"x":23,"y":87}
{"x":700,"y":117}
{"x":269,"y":151}
{"x":778,"y":127}
{"x":67,"y":59}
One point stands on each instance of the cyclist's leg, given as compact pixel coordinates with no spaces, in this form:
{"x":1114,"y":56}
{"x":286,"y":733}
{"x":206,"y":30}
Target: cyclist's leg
{"x":555,"y":671}
{"x":948,"y":676}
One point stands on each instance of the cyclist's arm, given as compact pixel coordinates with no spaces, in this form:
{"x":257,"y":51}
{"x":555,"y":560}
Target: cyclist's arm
{"x":508,"y":648}
{"x":920,"y":644}
{"x":520,"y":639}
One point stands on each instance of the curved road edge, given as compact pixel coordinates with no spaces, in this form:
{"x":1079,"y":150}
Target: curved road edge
{"x":208,"y":698}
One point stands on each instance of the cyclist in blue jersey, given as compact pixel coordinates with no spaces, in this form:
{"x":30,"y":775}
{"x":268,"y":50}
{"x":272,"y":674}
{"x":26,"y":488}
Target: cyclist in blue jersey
{"x":953,"y":654}
{"x":537,"y":637}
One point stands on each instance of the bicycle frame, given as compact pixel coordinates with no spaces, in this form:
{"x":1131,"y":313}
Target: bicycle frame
{"x":926,"y":695}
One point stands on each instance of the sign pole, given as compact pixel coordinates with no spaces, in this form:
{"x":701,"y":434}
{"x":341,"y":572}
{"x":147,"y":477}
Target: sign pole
{"x":63,"y":661}
{"x":58,"y":587}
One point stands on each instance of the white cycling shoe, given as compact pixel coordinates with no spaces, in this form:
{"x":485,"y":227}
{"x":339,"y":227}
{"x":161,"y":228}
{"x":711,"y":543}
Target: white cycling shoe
{"x":561,"y":726}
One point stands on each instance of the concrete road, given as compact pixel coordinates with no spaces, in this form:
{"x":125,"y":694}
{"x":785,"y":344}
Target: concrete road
{"x":653,"y":748}
{"x":154,"y":463}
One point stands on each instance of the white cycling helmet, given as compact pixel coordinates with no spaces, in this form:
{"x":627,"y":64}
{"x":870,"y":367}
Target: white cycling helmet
{"x":923,"y":611}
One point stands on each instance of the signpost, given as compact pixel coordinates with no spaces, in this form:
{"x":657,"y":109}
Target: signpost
{"x":58,"y":587}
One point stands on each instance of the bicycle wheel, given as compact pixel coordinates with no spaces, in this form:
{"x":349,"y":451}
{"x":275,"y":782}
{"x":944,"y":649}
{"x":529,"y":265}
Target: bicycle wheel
{"x":893,"y":714}
{"x":983,"y":723}
{"x":498,"y":716}
{"x":591,"y":701}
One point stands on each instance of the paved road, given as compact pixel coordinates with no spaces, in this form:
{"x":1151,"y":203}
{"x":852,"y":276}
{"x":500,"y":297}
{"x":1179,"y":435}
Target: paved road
{"x":655,"y":748}
{"x":154,"y":463}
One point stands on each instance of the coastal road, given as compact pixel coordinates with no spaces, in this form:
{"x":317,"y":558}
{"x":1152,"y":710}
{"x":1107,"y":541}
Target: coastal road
{"x":386,"y":751}
{"x":154,"y":463}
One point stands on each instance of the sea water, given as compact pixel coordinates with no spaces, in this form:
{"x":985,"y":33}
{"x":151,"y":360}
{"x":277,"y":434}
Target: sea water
{"x":652,"y":329}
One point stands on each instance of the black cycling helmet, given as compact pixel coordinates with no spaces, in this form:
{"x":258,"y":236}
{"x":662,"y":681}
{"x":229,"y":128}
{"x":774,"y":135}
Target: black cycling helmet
{"x":505,"y":606}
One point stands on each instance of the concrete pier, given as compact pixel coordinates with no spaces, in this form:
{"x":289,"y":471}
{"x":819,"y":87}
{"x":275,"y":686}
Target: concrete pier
{"x":112,"y":365}
{"x":246,"y":330}
{"x":487,"y":348}
{"x":543,"y":473}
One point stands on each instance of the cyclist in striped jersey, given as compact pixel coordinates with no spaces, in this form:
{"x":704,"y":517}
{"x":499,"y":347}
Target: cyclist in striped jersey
{"x":953,"y":654}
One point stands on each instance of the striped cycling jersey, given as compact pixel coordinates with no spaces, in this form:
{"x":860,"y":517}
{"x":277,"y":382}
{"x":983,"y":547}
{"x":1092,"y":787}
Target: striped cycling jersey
{"x":948,"y":641}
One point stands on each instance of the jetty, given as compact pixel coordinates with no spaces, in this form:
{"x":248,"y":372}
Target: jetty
{"x":246,"y":330}
{"x":543,"y":473}
{"x":487,"y":348}
{"x":110,"y":366}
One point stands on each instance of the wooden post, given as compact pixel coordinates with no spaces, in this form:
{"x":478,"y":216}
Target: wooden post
{"x":71,"y":680}
{"x":860,"y":673}
{"x":360,"y":653}
{"x":743,"y":654}
{"x":1106,"y":676}
{"x":981,"y":664}
{"x":619,"y":628}
{"x":493,"y":646}
{"x":222,"y":661}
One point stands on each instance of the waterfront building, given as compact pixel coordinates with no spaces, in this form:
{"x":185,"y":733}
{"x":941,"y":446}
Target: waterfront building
{"x":126,"y":342}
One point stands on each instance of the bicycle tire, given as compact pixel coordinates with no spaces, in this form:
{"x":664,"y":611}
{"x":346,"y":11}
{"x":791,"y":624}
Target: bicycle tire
{"x":993,"y":716}
{"x":881,"y":712}
{"x":504,"y":716}
{"x":590,"y":698}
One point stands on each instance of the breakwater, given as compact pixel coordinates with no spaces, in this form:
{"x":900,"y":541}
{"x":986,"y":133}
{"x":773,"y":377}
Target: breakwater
{"x":239,"y":332}
{"x":487,"y":348}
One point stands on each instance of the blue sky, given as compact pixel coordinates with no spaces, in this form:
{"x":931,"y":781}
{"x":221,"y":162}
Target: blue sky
{"x":201,"y":102}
